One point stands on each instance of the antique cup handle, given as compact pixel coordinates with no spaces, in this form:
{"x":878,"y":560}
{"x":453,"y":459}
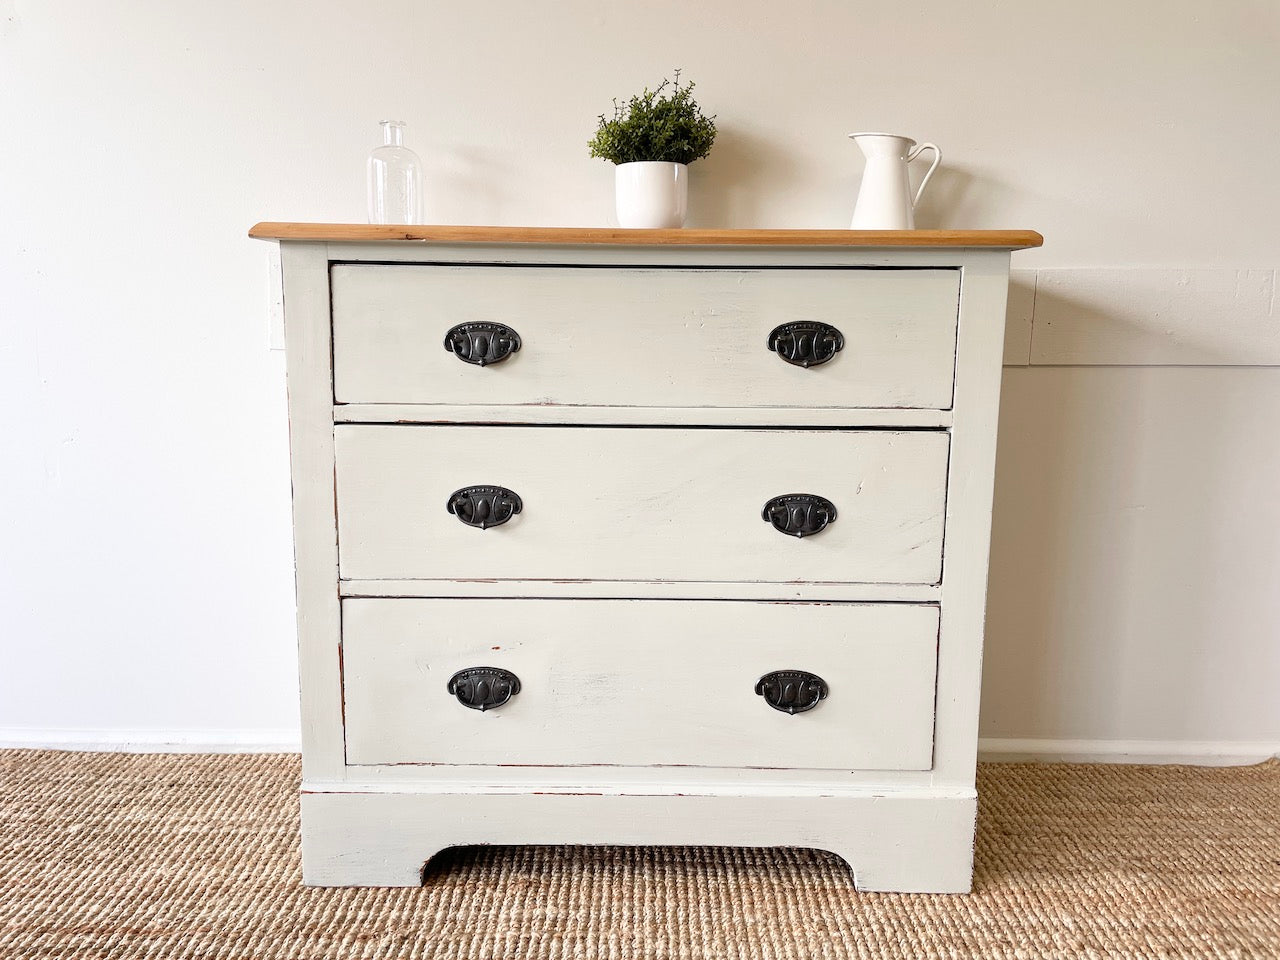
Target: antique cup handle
{"x":937,"y":159}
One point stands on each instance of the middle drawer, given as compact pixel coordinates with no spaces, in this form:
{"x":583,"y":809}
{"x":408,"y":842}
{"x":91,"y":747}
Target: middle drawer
{"x":616,"y":503}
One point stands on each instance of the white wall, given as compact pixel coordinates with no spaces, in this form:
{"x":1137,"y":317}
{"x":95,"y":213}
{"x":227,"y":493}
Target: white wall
{"x":146,"y":585}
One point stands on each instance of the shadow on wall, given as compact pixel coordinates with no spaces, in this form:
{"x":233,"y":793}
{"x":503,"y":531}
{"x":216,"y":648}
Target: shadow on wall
{"x":470,"y":185}
{"x":950,"y":187}
{"x":1107,"y":587}
{"x":727,"y":187}
{"x":1149,"y":316}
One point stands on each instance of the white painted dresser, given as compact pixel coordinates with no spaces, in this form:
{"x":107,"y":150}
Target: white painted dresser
{"x":641,"y":537}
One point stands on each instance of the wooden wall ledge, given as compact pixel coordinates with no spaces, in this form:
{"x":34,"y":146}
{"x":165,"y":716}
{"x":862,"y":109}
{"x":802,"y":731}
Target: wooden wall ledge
{"x":577,"y":236}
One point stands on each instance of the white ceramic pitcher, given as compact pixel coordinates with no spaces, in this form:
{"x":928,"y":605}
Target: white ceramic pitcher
{"x":884,"y":199}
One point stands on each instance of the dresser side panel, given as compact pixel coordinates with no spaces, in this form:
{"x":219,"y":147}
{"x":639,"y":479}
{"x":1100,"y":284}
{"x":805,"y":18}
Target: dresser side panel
{"x":308,"y":353}
{"x":967,"y":537}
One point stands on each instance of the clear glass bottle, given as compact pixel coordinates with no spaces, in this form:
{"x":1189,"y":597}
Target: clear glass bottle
{"x":395,"y":179}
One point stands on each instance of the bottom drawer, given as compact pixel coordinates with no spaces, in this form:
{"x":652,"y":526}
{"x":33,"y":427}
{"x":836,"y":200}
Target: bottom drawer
{"x":640,"y":682}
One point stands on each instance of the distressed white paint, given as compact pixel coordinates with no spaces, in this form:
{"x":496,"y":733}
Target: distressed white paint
{"x":308,"y":350}
{"x":596,"y":335}
{"x":636,"y":504}
{"x":652,"y":589}
{"x":740,"y":257}
{"x":115,"y":505}
{"x":639,"y":683}
{"x":908,"y":842}
{"x":969,"y":491}
{"x":620,"y":504}
{"x":586,"y":414}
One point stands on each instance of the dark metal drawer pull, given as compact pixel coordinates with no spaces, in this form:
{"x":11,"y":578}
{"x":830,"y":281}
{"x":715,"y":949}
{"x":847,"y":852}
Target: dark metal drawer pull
{"x":484,"y":506}
{"x":799,"y":514}
{"x":484,"y":688}
{"x":806,"y":343}
{"x":792,"y":691}
{"x":482,"y":343}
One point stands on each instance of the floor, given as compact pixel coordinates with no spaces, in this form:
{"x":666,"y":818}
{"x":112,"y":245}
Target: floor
{"x":122,"y":856}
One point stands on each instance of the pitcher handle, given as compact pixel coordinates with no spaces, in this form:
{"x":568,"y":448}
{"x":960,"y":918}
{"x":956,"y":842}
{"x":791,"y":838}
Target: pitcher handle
{"x":937,"y":159}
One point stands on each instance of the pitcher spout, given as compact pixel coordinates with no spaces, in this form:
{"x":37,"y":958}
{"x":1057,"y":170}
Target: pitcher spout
{"x":882,"y":144}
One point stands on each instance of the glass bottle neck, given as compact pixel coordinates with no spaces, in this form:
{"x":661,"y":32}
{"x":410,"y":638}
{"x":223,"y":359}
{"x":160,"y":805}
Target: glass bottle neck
{"x":392,"y":133}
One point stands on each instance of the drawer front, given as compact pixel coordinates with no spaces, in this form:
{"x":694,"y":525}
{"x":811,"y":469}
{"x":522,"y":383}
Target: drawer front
{"x":660,"y":337}
{"x":610,"y":503}
{"x":639,"y":682}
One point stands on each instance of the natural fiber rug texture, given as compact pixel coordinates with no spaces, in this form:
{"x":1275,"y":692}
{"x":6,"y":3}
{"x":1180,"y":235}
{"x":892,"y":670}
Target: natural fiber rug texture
{"x":113,"y":855}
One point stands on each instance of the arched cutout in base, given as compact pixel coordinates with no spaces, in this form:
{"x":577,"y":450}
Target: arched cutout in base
{"x":573,"y":857}
{"x":905,"y":844}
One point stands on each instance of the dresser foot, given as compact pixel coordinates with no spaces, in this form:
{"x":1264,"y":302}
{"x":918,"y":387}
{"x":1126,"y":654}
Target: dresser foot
{"x":922,"y":860}
{"x":919,"y":843}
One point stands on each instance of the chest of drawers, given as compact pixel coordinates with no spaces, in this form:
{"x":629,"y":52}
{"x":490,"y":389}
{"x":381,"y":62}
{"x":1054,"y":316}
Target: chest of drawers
{"x":642,"y":537}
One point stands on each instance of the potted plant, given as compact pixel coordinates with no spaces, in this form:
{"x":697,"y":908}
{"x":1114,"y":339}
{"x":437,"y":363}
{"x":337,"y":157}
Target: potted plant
{"x":653,"y":138}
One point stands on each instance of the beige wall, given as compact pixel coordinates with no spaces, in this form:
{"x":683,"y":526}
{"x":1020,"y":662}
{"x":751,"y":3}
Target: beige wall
{"x":1135,"y":550}
{"x":147,"y":577}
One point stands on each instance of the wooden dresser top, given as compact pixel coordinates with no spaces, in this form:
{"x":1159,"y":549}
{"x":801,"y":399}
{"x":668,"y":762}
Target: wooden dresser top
{"x":578,"y":236}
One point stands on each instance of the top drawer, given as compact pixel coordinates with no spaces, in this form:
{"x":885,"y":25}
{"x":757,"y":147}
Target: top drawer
{"x":636,"y":337}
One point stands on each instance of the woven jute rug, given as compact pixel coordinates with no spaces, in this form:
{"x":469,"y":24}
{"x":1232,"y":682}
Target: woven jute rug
{"x":111,"y":855}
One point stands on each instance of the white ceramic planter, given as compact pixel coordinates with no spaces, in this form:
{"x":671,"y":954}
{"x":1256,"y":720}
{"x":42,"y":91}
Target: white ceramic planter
{"x":652,"y":194}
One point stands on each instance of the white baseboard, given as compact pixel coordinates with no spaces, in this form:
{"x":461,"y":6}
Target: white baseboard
{"x":270,"y":740}
{"x":1221,"y":753}
{"x":1207,"y":753}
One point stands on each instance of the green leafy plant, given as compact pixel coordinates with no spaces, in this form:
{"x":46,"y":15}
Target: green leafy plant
{"x":656,"y":125}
